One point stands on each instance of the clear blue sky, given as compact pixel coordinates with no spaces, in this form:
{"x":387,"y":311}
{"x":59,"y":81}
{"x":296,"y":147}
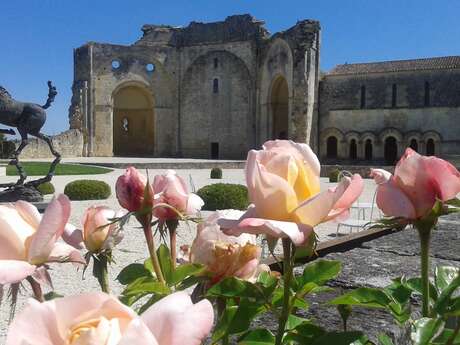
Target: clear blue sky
{"x":37,"y":37}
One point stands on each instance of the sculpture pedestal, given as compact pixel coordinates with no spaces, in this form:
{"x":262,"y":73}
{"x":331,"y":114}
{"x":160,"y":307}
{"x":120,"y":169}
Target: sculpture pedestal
{"x":26,"y":193}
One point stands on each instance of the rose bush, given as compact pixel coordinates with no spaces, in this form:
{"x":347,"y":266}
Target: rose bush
{"x":283,"y":185}
{"x":98,"y":318}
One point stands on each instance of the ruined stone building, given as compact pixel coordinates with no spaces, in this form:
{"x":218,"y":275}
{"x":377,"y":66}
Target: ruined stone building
{"x":205,"y":91}
{"x":217,"y":90}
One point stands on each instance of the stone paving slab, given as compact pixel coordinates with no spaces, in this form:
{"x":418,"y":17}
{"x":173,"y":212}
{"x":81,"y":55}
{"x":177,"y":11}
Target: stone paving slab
{"x":445,"y":241}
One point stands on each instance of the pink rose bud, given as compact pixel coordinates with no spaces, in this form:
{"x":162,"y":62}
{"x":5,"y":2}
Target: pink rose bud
{"x":99,"y":233}
{"x":130,"y":189}
{"x":171,"y":189}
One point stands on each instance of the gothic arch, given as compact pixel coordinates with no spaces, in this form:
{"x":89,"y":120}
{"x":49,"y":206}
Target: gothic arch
{"x":430,"y":139}
{"x":413,"y":140}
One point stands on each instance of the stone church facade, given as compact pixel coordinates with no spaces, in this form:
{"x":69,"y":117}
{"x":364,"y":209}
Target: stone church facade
{"x":216,"y":90}
{"x":211,"y":90}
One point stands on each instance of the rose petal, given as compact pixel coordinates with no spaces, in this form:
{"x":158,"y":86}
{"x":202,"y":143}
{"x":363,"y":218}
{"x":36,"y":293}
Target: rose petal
{"x":62,"y":252}
{"x":29,"y":213}
{"x":138,"y":333}
{"x":351,"y":194}
{"x":315,"y":210}
{"x":298,"y":233}
{"x":194,"y":204}
{"x":42,"y":331}
{"x":174,"y":319}
{"x":51,"y":228}
{"x":393,"y":201}
{"x":73,"y":236}
{"x":445,"y":176}
{"x":13,"y":271}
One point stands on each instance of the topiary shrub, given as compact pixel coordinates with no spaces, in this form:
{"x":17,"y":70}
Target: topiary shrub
{"x":87,"y":190}
{"x":221,"y":196}
{"x":46,"y":188}
{"x":334,"y":175}
{"x":216,"y":173}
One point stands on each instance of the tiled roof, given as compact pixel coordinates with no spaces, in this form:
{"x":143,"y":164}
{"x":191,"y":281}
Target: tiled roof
{"x":445,"y":62}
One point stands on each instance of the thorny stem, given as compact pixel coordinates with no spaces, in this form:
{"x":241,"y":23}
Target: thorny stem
{"x":287,"y":273}
{"x":425,"y":235}
{"x":36,"y":288}
{"x":153,"y":255}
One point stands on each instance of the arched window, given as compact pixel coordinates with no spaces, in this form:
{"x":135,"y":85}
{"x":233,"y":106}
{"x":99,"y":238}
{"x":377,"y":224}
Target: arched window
{"x":215,"y":85}
{"x":331,"y":147}
{"x":391,"y":150}
{"x":430,"y":147}
{"x":353,"y":149}
{"x":368,"y":150}
{"x":414,"y":145}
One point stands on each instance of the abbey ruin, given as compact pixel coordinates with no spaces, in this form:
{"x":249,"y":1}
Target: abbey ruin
{"x":216,"y":90}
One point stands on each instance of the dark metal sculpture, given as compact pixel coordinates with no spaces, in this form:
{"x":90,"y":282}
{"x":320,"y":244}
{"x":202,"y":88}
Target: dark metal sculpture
{"x":28,"y":118}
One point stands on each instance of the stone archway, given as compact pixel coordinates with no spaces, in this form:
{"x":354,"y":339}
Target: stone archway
{"x":133,"y":122}
{"x":279,"y":103}
{"x":390,"y":150}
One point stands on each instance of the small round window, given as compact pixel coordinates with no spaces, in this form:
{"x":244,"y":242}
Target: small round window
{"x":150,"y":67}
{"x":116,"y":64}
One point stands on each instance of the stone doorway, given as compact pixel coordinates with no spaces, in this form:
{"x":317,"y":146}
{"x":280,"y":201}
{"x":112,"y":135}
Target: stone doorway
{"x":390,"y":151}
{"x":279,"y":102}
{"x":133,"y":122}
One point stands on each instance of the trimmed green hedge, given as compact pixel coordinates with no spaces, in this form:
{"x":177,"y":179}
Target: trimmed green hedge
{"x":87,"y":190}
{"x":221,"y":196}
{"x":216,"y":173}
{"x":46,"y":188}
{"x":334,"y":175}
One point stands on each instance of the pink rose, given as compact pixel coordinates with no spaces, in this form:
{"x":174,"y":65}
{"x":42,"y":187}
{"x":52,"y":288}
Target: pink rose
{"x":130,"y":188}
{"x":283,"y":185}
{"x":171,"y":189}
{"x":416,"y":185}
{"x":99,"y":232}
{"x":223,"y":255}
{"x":99,"y":318}
{"x":28,"y":240}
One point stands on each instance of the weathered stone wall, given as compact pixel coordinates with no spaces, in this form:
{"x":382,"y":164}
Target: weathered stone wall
{"x":189,"y":116}
{"x":68,"y":144}
{"x":409,"y":118}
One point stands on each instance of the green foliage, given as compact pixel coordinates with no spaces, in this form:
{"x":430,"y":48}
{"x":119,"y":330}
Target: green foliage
{"x":334,"y":175}
{"x":216,"y":173}
{"x":42,"y":168}
{"x":221,"y":196}
{"x":87,"y":190}
{"x":46,"y":188}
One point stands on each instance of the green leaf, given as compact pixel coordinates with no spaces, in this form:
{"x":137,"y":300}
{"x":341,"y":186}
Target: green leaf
{"x":446,"y":336}
{"x":257,"y":337}
{"x":338,"y":338}
{"x":223,"y":323}
{"x":268,"y":283}
{"x":454,"y":307}
{"x":366,"y":297}
{"x":444,"y":299}
{"x":415,"y":285}
{"x":345,"y":312}
{"x":320,"y":271}
{"x":293,"y":321}
{"x":384,"y":339}
{"x":234,"y":287}
{"x":51,"y":295}
{"x":184,"y":271}
{"x":304,"y":333}
{"x":444,"y":275}
{"x":145,"y":285}
{"x":164,"y":257}
{"x":131,"y":272}
{"x":426,"y":329}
